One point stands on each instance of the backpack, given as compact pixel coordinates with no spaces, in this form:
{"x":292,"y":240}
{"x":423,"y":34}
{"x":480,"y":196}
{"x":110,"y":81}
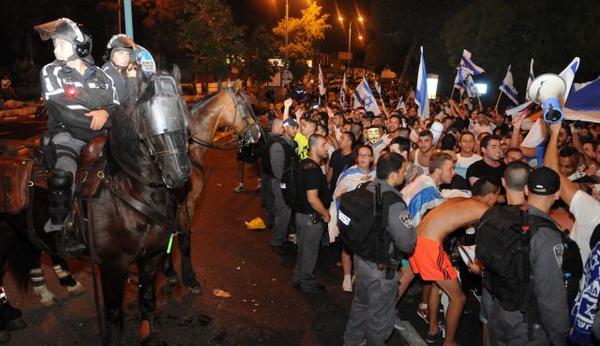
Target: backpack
{"x":291,"y":186}
{"x":503,"y":236}
{"x":362,"y":221}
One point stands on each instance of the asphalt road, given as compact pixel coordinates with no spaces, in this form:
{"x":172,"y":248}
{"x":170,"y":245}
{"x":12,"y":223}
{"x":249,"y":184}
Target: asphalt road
{"x":263,"y":309}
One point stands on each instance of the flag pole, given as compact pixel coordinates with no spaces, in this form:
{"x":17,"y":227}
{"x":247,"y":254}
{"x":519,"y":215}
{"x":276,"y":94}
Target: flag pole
{"x":498,"y":101}
{"x":452,"y":93}
{"x":476,"y":93}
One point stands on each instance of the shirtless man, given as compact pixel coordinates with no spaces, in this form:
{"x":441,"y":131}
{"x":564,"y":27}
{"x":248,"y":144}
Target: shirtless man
{"x":431,"y":261}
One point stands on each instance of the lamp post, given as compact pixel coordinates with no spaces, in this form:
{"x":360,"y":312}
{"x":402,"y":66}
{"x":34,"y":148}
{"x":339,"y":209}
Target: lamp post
{"x":360,"y":37}
{"x":287,"y":17}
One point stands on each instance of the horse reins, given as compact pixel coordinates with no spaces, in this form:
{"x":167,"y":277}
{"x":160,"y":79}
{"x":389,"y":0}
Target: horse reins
{"x":239,"y":109}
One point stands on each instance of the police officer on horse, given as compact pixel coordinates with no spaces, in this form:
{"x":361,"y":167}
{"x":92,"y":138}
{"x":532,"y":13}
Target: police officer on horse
{"x":80,"y":97}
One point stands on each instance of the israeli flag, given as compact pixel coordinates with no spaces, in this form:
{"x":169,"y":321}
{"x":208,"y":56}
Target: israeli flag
{"x":468,"y":65}
{"x":529,"y":79}
{"x":568,"y":74}
{"x":363,"y":94}
{"x":461,"y":76}
{"x":322,"y":88}
{"x":400,"y":104}
{"x":421,"y":94}
{"x":508,"y":87}
{"x":471,"y":87}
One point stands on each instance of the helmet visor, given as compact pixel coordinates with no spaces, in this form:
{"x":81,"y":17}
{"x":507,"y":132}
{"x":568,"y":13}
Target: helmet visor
{"x":63,"y":27}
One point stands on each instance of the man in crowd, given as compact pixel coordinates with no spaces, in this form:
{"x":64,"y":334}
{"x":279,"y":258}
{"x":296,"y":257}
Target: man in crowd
{"x":281,"y":156}
{"x":372,"y":312}
{"x":340,"y":159}
{"x":393,"y":127}
{"x":421,"y":156}
{"x":548,"y":289}
{"x":466,"y":157}
{"x":491,"y":165}
{"x":431,"y":261}
{"x":313,"y":213}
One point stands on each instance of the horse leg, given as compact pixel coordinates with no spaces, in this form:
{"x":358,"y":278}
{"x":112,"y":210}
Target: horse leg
{"x":113,"y":277}
{"x":61,"y":269}
{"x":187,"y":271}
{"x":148,"y":269}
{"x":185,"y":218}
{"x":10,"y":318}
{"x":38,"y":285}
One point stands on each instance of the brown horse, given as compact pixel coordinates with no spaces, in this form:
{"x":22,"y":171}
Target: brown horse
{"x":227,"y":108}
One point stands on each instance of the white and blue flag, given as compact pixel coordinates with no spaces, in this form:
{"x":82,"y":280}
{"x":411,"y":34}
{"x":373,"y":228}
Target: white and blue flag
{"x":461,"y":76}
{"x":421,"y":94}
{"x":529,"y":79}
{"x":363,"y":95}
{"x":568,"y":74}
{"x":508,"y":87}
{"x":322,"y":89}
{"x":468,"y":65}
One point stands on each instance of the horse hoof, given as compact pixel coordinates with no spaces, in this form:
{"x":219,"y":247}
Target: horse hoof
{"x":4,"y":337}
{"x":145,"y":330}
{"x":195,"y":289}
{"x":76,"y":290}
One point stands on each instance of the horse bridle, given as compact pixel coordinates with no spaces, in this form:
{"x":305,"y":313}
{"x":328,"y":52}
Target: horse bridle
{"x":240,"y":108}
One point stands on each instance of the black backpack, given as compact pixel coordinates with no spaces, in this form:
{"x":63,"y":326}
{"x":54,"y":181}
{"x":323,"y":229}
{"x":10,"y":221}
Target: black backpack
{"x":362,"y":221}
{"x":291,"y":186}
{"x":503,"y":236}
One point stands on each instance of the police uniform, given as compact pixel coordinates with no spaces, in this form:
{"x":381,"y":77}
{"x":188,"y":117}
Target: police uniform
{"x":124,"y":85}
{"x":545,"y":256}
{"x":69,"y":96}
{"x":372,"y":311}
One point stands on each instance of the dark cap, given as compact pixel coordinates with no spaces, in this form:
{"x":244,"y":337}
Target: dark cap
{"x":290,"y":122}
{"x":543,"y":181}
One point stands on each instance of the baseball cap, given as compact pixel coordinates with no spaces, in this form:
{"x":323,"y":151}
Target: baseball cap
{"x":543,"y":181}
{"x":290,"y":122}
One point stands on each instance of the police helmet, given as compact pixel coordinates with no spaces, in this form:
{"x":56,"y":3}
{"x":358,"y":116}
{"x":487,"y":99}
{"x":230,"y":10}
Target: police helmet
{"x":69,"y":31}
{"x":119,"y":42}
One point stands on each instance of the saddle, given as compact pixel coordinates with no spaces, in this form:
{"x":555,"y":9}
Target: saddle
{"x":22,"y":168}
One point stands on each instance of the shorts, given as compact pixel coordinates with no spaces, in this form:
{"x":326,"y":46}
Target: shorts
{"x":431,"y":261}
{"x":246,"y":154}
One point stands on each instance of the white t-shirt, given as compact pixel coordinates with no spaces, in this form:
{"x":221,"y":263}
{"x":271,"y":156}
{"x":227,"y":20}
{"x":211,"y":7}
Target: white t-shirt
{"x":587,"y":216}
{"x":463,"y":163}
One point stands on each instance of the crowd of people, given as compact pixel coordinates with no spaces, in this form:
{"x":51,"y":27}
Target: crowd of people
{"x":454,"y":171}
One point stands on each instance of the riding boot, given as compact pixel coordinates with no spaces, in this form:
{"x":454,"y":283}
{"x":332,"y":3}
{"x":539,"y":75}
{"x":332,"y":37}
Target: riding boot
{"x":60,"y":187}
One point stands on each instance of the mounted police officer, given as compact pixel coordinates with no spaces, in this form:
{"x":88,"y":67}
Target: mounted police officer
{"x":80,"y":98}
{"x":120,"y":65}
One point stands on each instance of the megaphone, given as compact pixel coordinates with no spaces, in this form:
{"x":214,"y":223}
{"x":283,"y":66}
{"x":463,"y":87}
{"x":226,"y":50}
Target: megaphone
{"x":547,"y":90}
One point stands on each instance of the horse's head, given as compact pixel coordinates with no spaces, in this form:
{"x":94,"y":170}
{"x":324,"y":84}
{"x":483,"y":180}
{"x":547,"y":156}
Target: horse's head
{"x":161,"y":121}
{"x":242,"y":118}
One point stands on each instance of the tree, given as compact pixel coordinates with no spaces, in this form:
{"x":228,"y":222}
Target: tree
{"x":303,"y":32}
{"x":259,"y":49}
{"x":213,"y":41}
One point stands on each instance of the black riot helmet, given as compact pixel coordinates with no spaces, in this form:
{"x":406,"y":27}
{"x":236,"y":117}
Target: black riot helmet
{"x":69,"y":31}
{"x":119,"y":42}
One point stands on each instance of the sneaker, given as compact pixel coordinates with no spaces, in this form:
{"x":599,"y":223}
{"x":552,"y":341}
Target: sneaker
{"x":423,"y":314}
{"x":239,"y":188}
{"x":399,"y":324}
{"x":432,"y":339}
{"x":347,"y":285}
{"x":292,"y":238}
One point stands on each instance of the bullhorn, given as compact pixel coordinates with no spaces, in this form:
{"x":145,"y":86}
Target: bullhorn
{"x":547,"y":90}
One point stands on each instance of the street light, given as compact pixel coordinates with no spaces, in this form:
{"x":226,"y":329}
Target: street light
{"x":360,"y":37}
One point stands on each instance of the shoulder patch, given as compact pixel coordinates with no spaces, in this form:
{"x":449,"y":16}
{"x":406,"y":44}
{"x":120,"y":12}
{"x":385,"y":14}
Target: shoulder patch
{"x":405,"y":219}
{"x":559,"y":251}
